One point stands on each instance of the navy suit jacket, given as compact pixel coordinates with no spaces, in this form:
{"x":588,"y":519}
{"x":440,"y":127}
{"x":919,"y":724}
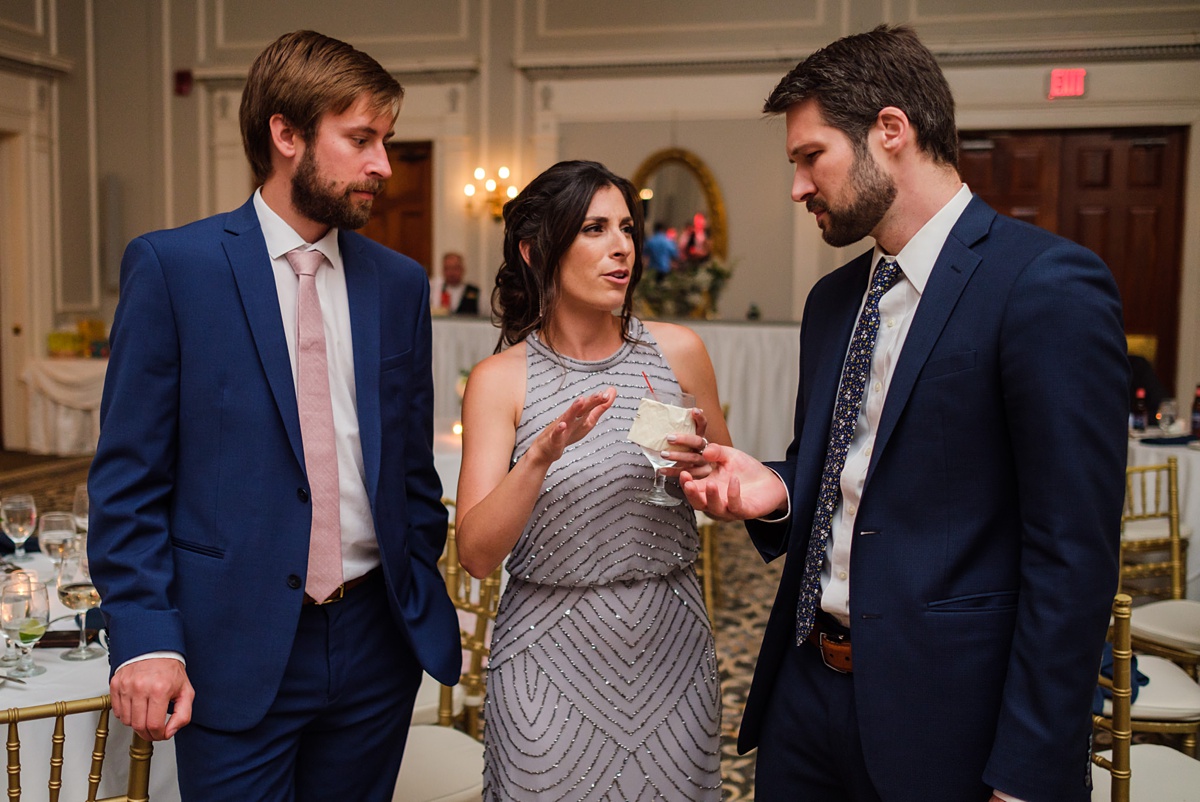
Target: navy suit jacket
{"x":985,"y":545}
{"x":199,"y":517}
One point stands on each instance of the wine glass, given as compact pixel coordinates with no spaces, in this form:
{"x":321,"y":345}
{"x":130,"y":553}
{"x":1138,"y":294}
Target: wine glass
{"x":658,"y":495}
{"x":76,"y":592}
{"x":25,"y":614}
{"x":80,"y":507}
{"x":55,"y":531}
{"x":18,"y":515}
{"x":1168,"y":411}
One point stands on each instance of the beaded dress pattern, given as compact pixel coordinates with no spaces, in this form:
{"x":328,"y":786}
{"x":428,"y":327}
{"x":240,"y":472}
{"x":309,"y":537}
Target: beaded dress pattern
{"x":602,"y":682}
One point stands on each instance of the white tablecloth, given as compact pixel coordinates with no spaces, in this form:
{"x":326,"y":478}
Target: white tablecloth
{"x":757,"y":367}
{"x":1189,"y":495}
{"x":64,"y":404}
{"x":64,"y":681}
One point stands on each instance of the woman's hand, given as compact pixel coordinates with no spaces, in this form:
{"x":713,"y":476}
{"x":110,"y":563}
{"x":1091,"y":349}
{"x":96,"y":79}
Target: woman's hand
{"x":686,"y":450}
{"x":571,"y":426}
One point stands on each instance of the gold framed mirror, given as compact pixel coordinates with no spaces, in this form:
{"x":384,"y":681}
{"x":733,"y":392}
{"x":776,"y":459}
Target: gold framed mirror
{"x":679,"y":181}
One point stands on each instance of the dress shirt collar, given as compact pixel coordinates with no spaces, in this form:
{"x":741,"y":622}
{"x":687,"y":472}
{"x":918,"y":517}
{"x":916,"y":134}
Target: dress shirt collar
{"x":919,"y":255}
{"x":281,"y":238}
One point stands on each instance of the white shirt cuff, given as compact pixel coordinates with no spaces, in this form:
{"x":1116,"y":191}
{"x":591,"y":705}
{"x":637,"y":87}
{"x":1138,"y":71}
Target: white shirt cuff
{"x":786,"y":493}
{"x":1006,"y":797}
{"x":151,"y":656}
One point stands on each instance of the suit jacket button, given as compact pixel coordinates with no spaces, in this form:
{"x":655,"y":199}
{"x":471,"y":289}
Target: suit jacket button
{"x":293,"y":582}
{"x":302,"y":494}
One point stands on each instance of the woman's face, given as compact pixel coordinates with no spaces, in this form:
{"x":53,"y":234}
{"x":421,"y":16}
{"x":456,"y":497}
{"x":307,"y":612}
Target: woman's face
{"x":596,"y":270}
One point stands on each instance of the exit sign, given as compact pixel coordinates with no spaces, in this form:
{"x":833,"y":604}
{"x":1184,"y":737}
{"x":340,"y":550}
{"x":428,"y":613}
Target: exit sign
{"x":1067,"y":83}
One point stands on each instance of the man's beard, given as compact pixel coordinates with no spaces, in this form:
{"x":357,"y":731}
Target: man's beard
{"x":314,"y":197}
{"x":874,"y":192}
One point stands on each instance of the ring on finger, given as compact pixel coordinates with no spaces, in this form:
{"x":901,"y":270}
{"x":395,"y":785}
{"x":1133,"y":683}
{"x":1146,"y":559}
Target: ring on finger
{"x":704,"y":441}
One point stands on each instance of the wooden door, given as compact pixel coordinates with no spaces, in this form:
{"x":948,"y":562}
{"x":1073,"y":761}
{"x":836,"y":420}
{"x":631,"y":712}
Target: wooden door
{"x":1016,"y":174}
{"x":1123,"y":198}
{"x":1118,"y":192}
{"x":402,"y":217}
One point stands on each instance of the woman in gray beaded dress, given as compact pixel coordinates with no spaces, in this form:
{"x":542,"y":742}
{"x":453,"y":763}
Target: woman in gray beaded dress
{"x":602,"y":682}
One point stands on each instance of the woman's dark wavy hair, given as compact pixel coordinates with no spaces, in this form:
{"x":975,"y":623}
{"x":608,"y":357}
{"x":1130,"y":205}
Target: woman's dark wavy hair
{"x":548,"y":214}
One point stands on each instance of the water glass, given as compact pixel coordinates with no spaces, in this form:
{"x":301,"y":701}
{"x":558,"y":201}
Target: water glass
{"x":25,"y":615}
{"x":18,"y":516}
{"x":1168,"y":412}
{"x":55,"y":532}
{"x":80,"y":507}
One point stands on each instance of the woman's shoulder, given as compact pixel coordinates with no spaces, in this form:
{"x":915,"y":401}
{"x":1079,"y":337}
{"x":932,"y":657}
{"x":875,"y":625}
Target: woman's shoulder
{"x":674,"y":337}
{"x":507,"y":363}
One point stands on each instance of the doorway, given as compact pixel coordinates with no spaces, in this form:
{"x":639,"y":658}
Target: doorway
{"x":402,"y":216}
{"x":1117,"y":192}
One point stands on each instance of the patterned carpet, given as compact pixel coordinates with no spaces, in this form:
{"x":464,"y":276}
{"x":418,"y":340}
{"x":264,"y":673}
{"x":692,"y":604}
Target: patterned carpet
{"x":745,"y":591}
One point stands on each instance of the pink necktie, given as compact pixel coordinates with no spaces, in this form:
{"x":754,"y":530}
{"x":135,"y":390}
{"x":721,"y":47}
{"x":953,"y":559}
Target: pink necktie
{"x":316,"y":431}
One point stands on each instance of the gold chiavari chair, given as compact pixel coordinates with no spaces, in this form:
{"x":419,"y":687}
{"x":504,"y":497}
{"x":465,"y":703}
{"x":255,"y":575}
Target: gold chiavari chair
{"x":1153,"y":541}
{"x":1168,"y":628}
{"x":138,"y":787}
{"x":441,"y":762}
{"x":1135,"y":772}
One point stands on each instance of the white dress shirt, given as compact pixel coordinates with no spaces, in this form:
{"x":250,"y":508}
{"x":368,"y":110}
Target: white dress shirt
{"x":436,"y":285}
{"x":360,"y":549}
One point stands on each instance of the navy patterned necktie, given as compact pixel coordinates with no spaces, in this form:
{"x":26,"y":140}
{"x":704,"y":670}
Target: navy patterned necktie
{"x":855,"y":373}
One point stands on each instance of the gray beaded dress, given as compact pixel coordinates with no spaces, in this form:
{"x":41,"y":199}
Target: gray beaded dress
{"x":602,"y":682}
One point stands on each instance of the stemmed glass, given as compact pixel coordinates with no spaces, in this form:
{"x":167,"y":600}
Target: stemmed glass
{"x":76,"y":592}
{"x":25,"y":614}
{"x":658,"y":494}
{"x":18,"y":515}
{"x":80,"y":507}
{"x":55,"y":532}
{"x":1168,"y":411}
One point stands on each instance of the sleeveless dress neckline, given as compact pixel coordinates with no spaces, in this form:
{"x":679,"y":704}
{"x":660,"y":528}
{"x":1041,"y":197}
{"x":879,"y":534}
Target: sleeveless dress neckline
{"x":589,"y":366}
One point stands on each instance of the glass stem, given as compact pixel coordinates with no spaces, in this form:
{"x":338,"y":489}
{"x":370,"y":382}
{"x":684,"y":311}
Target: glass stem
{"x":82,"y":631}
{"x":660,"y":482}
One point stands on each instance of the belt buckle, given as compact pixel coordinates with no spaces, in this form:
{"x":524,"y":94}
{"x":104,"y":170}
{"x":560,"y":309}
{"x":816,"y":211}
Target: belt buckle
{"x":833,"y":640}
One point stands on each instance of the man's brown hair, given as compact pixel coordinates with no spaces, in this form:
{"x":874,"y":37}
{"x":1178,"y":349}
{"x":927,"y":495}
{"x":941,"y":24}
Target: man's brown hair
{"x":302,"y":75}
{"x":855,"y":77}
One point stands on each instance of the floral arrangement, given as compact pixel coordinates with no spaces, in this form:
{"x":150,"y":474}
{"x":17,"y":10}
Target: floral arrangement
{"x":691,"y":289}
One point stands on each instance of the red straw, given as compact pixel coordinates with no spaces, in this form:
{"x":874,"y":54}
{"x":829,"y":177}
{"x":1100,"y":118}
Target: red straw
{"x":648,"y":384}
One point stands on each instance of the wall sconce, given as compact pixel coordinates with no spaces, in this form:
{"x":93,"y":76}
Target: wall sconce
{"x":489,"y":190}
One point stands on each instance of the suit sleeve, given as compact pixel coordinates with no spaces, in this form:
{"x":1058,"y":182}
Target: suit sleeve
{"x":132,"y":476}
{"x":771,"y":538}
{"x":1064,"y":376}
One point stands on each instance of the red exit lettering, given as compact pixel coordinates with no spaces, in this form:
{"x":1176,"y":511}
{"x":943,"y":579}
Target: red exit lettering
{"x":1067,"y":83}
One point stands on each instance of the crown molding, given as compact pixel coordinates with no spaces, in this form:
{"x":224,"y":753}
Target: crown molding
{"x":15,"y":59}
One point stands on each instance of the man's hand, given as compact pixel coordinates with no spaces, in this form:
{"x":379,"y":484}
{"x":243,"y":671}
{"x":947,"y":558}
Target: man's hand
{"x":739,"y":486}
{"x":142,"y":691}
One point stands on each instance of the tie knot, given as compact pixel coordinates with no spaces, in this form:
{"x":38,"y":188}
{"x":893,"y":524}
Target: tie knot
{"x":886,"y":275}
{"x":305,"y":263}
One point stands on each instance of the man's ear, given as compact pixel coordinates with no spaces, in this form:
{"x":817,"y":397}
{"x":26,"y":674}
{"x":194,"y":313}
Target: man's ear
{"x":284,"y":136}
{"x":894,"y":129}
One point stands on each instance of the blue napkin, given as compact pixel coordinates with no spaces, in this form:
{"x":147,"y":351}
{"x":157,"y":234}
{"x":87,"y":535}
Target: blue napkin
{"x":1106,"y":668}
{"x":1181,"y":440}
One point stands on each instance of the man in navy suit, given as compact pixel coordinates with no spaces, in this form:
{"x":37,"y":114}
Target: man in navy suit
{"x":955,"y":477}
{"x":207,"y":487}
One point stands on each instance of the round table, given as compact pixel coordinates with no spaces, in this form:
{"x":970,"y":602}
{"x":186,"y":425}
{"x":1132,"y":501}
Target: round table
{"x":65,"y":680}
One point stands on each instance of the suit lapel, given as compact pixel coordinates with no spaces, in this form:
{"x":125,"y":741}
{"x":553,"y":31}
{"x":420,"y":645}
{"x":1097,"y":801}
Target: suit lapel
{"x":247,"y":252}
{"x":362,"y":288}
{"x":951,"y":272}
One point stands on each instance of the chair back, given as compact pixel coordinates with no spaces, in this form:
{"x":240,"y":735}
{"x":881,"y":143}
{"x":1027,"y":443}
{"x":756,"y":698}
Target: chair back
{"x":477,"y":601}
{"x":1121,"y":686}
{"x":1152,"y":494}
{"x":1143,"y":345}
{"x":138,"y":788}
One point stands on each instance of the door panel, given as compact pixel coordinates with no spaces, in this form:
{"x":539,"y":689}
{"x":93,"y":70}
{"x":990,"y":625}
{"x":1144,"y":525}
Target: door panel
{"x":402,"y":217}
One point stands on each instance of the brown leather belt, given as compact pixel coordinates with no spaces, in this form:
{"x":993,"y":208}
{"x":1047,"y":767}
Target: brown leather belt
{"x":340,"y":592}
{"x":834,"y":644}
